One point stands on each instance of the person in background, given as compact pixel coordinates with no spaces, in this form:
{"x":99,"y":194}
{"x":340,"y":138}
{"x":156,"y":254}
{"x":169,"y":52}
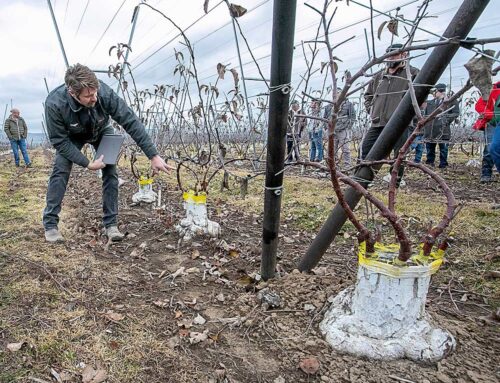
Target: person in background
{"x":495,"y":140}
{"x":438,"y":131}
{"x":80,"y":112}
{"x":17,"y":132}
{"x":315,"y":130}
{"x":382,"y":97}
{"x":343,"y":129}
{"x":294,"y":130}
{"x":418,"y":143}
{"x":487,"y":122}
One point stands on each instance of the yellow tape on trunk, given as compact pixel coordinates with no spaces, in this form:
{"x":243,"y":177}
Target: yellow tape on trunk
{"x":145,"y":181}
{"x":382,"y":261}
{"x":193,"y":197}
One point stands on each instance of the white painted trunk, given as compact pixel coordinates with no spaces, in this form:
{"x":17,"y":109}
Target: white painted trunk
{"x":383,"y":317}
{"x":196,"y":222}
{"x":145,"y":193}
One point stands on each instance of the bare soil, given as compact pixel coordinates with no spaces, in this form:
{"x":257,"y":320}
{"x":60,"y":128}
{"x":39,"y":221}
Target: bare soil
{"x":125,"y":310}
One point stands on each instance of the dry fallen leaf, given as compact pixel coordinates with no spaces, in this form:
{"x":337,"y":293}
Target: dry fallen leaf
{"x":185,"y":323}
{"x":220,"y":297}
{"x":89,"y":375}
{"x":178,"y":314}
{"x":114,"y":345}
{"x":113,"y":316}
{"x":309,"y":365}
{"x":199,"y":320}
{"x":100,"y":376}
{"x":56,"y":375}
{"x":161,"y":303}
{"x":492,"y":256}
{"x":183,"y":332}
{"x":13,"y":347}
{"x":234,"y":253}
{"x":492,"y":274}
{"x":197,"y":337}
{"x":66,"y":376}
{"x":195,"y":254}
{"x":246,"y":280}
{"x":214,"y":337}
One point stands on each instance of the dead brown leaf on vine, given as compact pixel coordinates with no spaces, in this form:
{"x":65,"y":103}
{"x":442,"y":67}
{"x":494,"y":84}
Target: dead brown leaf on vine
{"x":221,"y":70}
{"x":236,"y":10}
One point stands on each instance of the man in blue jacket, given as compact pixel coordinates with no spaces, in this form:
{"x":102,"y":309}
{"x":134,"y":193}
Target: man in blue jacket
{"x":77,"y":113}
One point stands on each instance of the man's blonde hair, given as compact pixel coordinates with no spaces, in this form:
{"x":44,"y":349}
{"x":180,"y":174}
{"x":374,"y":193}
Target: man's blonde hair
{"x":79,"y":77}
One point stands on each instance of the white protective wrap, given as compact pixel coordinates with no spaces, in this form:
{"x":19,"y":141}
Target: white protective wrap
{"x":145,"y":193}
{"x":383,"y":317}
{"x":196,"y":221}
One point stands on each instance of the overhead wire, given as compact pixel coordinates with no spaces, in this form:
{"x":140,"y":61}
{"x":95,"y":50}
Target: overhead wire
{"x":304,"y":29}
{"x":65,"y":12}
{"x":259,"y":46}
{"x":107,"y":27}
{"x":81,"y":18}
{"x":138,"y":36}
{"x":177,"y":35}
{"x":203,"y":38}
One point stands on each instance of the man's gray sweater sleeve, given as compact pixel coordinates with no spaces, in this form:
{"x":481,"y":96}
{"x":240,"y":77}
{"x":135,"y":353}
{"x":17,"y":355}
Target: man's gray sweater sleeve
{"x":123,"y":115}
{"x":58,"y":135}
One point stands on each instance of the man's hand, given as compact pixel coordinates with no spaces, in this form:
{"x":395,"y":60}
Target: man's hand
{"x":97,"y":164}
{"x":158,"y":164}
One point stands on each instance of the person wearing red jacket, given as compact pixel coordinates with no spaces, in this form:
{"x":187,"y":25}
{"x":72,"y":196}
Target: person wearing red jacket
{"x":487,"y":122}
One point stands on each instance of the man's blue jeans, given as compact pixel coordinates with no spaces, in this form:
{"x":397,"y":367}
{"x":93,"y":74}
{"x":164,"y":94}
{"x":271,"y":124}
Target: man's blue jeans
{"x":495,"y":147}
{"x":418,"y":145}
{"x":20,"y":144}
{"x":316,"y":153}
{"x":487,"y":163}
{"x":430,"y":148}
{"x":57,"y":188}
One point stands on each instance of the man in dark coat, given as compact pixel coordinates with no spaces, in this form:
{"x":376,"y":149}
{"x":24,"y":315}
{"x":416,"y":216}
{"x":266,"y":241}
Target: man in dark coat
{"x":383,"y":96}
{"x":438,"y":131}
{"x":80,"y":112}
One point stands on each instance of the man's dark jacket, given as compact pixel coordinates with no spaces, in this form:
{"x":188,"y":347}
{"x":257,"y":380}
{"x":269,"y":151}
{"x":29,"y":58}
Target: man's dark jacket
{"x":70,"y":122}
{"x":439,"y":128}
{"x":384,"y":93}
{"x":345,"y":117}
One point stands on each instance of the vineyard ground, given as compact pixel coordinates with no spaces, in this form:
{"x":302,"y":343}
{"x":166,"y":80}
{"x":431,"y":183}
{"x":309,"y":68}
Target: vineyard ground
{"x":86,"y":307}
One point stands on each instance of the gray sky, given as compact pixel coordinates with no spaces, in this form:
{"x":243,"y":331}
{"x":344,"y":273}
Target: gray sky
{"x":90,"y":27}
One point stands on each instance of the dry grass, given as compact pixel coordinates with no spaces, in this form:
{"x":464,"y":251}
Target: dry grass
{"x":55,"y":298}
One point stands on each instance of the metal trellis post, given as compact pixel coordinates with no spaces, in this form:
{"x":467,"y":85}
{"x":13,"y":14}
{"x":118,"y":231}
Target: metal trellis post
{"x":58,"y":34}
{"x":281,"y":73}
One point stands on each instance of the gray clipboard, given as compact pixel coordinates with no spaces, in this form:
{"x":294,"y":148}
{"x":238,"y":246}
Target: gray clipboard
{"x":110,"y":146}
